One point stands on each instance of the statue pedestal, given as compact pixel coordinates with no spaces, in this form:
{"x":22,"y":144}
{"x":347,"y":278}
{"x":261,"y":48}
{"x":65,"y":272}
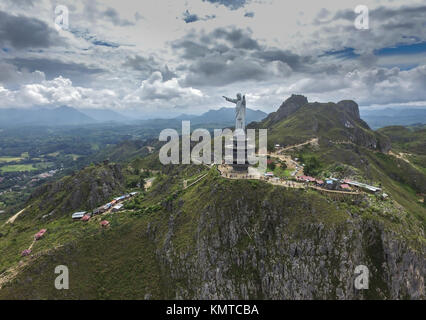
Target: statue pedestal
{"x":240,"y":148}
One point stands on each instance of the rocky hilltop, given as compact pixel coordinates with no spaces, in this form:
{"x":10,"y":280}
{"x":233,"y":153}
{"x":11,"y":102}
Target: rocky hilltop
{"x":83,"y":190}
{"x":288,"y":107}
{"x":297,"y":120}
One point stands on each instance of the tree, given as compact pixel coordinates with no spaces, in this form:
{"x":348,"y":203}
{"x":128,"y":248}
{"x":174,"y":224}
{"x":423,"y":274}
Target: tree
{"x":312,"y":166}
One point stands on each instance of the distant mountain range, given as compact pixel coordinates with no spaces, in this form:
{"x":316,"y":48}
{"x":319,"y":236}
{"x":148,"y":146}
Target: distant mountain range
{"x":64,"y":115}
{"x":393,"y":116}
{"x":43,"y":117}
{"x":105,"y":115}
{"x":223,"y":115}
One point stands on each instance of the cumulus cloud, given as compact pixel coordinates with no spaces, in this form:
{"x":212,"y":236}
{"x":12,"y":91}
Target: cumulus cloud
{"x":154,"y":88}
{"x":182,"y":57}
{"x":55,"y":92}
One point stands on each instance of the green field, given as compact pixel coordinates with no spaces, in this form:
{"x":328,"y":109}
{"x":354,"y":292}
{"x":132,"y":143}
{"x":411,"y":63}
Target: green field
{"x":10,"y":159}
{"x":17,"y":168}
{"x":282,"y":173}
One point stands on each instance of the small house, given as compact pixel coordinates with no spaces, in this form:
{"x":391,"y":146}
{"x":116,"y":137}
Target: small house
{"x":269,"y":174}
{"x":104,"y":223}
{"x":97,"y":211}
{"x":85,"y":218}
{"x":39,"y":234}
{"x":26,"y":252}
{"x":117,"y":207}
{"x":107,"y":206}
{"x":133,"y":193}
{"x":345,"y":186}
{"x":78,"y":215}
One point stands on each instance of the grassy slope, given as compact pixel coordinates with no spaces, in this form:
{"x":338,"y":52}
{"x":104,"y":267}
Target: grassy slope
{"x":313,"y":120}
{"x":122,"y":263}
{"x":409,"y":140}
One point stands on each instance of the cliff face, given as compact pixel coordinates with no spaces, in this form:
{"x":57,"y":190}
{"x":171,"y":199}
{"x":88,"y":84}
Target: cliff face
{"x":285,"y":247}
{"x":351,"y":107}
{"x":224,"y":239}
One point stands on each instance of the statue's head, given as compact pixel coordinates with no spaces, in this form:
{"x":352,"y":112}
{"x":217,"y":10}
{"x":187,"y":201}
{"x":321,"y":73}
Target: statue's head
{"x":239,"y":96}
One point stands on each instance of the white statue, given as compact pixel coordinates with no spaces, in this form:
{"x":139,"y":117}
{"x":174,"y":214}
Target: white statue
{"x":240,"y":111}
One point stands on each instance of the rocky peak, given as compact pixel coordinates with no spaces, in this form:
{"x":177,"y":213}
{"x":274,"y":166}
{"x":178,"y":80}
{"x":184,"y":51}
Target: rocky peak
{"x":288,"y":107}
{"x":350,"y":107}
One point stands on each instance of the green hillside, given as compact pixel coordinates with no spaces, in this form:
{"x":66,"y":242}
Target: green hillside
{"x":169,"y":244}
{"x":297,"y":121}
{"x":230,"y":239}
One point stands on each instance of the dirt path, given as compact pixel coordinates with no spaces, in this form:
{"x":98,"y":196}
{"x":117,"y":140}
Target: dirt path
{"x":12,"y":272}
{"x":148,"y":183}
{"x":313,"y":141}
{"x":13,"y":218}
{"x":335,"y":191}
{"x":197,"y":180}
{"x":401,"y":156}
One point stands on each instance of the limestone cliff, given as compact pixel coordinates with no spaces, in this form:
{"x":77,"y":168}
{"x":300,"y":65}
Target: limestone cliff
{"x":286,"y":245}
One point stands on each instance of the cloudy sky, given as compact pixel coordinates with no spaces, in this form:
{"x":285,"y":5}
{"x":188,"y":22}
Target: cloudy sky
{"x":166,"y":57}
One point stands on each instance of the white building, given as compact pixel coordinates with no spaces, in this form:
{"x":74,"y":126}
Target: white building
{"x":78,"y":215}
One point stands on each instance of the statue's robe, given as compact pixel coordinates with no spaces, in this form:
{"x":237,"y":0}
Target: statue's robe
{"x":240,"y":114}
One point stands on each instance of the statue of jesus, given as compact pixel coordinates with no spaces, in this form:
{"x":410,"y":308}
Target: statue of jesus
{"x":240,"y":111}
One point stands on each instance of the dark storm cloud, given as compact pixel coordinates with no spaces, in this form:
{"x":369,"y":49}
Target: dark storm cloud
{"x":212,"y":61}
{"x":237,"y":38}
{"x":294,"y":61}
{"x":78,"y":73}
{"x":22,"y":32}
{"x":194,"y":46}
{"x":191,"y":49}
{"x":215,"y":70}
{"x":232,"y":4}
{"x":147,"y":66}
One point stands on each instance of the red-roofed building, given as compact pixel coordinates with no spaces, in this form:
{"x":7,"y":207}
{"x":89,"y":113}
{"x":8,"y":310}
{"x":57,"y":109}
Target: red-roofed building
{"x":104,"y":223}
{"x":306,"y":178}
{"x":26,"y":252}
{"x":345,"y":186}
{"x":40,"y":234}
{"x":85,"y":218}
{"x":320,"y":181}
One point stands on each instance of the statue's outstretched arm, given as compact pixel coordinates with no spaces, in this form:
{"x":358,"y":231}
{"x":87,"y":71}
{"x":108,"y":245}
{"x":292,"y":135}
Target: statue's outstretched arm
{"x":230,"y":100}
